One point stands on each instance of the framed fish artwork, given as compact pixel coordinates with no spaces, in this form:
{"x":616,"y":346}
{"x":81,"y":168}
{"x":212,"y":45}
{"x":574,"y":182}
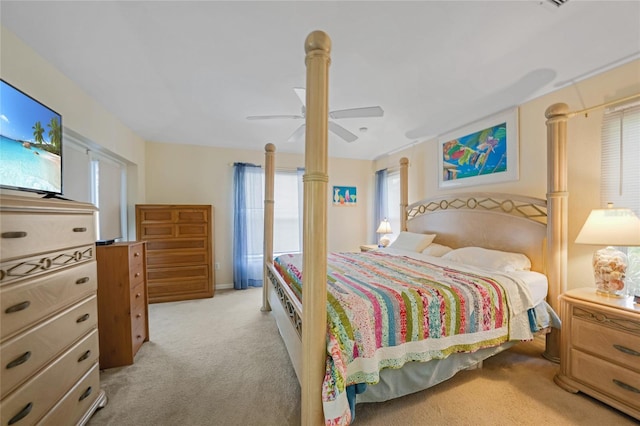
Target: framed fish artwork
{"x":482,"y":153}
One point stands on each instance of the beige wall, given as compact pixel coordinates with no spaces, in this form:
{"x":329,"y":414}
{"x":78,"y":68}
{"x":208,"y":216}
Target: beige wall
{"x":29,"y":72}
{"x":583,"y":156}
{"x":189,"y":174}
{"x":192,"y":174}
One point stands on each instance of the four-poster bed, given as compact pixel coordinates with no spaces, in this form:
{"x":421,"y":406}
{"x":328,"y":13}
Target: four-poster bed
{"x":496,"y":223}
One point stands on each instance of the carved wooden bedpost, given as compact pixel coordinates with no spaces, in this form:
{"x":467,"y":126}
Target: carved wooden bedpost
{"x":269,"y":174}
{"x":404,"y":192}
{"x":557,"y":218}
{"x":314,"y":252}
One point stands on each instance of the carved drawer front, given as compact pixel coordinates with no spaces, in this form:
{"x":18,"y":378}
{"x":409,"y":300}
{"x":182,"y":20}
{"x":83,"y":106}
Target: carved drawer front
{"x":77,"y":402}
{"x":606,"y":377}
{"x":25,"y":234}
{"x":155,"y":231}
{"x":26,"y":302}
{"x":34,"y":266}
{"x":27,"y":353}
{"x":38,"y":395}
{"x":619,"y":346}
{"x":191,"y":230}
{"x":192,"y":215}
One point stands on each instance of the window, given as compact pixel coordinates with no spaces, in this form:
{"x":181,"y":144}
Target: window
{"x":96,"y":177}
{"x":393,"y":203}
{"x":620,"y":174}
{"x":287,"y":216}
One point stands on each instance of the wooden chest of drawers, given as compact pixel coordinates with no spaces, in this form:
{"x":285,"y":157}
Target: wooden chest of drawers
{"x":600,"y":349}
{"x":122,"y":302}
{"x":179,"y":250}
{"x":48,"y":318}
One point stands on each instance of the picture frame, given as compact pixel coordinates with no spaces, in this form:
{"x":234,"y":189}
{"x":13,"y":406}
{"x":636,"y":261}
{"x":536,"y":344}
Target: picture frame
{"x":481,"y":153}
{"x":344,"y":195}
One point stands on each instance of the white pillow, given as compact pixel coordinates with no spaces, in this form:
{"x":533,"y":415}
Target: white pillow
{"x":437,"y":250}
{"x":411,"y":241}
{"x":490,"y":259}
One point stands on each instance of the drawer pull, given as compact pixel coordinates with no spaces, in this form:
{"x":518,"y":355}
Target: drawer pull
{"x":138,"y":315}
{"x":626,"y":386}
{"x":14,"y":234}
{"x":80,"y":229}
{"x":17,"y":308}
{"x":626,"y":350}
{"x":84,"y":356}
{"x":20,"y":360}
{"x":138,"y":295}
{"x":137,"y":274}
{"x":85,"y":393}
{"x":22,"y":414}
{"x":136,"y":254}
{"x":83,"y":318}
{"x":82,"y":280}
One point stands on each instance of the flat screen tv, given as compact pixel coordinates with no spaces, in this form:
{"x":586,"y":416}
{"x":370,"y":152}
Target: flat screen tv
{"x":30,"y":143}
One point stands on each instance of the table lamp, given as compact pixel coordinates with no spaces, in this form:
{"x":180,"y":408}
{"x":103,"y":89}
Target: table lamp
{"x":610,"y":227}
{"x":383,"y":229}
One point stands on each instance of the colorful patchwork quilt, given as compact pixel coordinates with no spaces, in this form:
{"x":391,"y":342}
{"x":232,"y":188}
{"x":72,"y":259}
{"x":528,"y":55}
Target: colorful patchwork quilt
{"x":386,"y":310}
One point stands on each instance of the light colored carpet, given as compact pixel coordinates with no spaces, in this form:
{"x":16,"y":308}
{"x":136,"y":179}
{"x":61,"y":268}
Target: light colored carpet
{"x":221,"y":361}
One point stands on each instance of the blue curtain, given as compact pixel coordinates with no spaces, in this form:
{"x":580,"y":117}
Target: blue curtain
{"x":248,"y":226}
{"x":381,"y":210}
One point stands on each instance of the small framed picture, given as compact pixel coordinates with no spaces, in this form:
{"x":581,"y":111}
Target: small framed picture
{"x":344,"y":196}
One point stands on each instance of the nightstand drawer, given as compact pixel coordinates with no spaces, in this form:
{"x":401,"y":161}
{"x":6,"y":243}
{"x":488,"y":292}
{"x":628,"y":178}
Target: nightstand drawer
{"x":619,"y":346}
{"x":608,"y":378}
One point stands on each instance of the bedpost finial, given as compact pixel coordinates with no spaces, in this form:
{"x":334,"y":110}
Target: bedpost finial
{"x":270,"y":147}
{"x":404,"y":160}
{"x":317,"y":40}
{"x":556,"y":110}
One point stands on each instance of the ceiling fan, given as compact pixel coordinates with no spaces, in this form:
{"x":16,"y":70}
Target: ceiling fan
{"x":374,"y":111}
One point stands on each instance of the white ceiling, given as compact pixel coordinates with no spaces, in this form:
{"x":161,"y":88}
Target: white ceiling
{"x":191,"y":72}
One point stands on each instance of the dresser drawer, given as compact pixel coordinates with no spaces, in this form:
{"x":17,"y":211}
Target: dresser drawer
{"x":34,"y":266}
{"x":138,"y":333}
{"x":177,"y":245}
{"x":605,"y":377}
{"x":44,"y":296}
{"x":43,"y":390}
{"x":29,"y":352}
{"x":72,"y":408}
{"x":613,"y":344}
{"x":177,"y":257}
{"x":25,"y":234}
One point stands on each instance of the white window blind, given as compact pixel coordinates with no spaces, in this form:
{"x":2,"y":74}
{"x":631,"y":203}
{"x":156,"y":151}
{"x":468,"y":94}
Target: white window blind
{"x":287,"y":218}
{"x":109,"y":199}
{"x":76,"y":172}
{"x":620,"y":173}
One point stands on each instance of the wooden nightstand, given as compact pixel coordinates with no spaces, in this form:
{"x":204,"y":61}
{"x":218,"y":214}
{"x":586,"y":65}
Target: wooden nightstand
{"x":600,"y":348}
{"x":368,"y":247}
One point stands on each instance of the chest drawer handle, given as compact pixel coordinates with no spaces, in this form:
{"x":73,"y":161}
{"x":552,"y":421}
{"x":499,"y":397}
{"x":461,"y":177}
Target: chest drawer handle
{"x":626,"y":386}
{"x":14,"y":234}
{"x":83,"y":318}
{"x":20,"y":360}
{"x":85,"y":393}
{"x":22,"y":414}
{"x":17,"y":308}
{"x":82,"y":280}
{"x":626,"y":350}
{"x":80,"y":229}
{"x":84,"y":356}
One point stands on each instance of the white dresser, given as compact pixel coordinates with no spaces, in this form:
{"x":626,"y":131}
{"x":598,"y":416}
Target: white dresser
{"x":48,"y":320}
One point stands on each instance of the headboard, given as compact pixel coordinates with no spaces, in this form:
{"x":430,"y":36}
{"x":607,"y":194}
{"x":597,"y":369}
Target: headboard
{"x":492,"y":220}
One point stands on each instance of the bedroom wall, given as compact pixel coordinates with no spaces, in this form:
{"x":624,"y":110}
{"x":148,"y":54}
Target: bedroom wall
{"x":583,"y":153}
{"x":31,"y":73}
{"x":204,"y":175}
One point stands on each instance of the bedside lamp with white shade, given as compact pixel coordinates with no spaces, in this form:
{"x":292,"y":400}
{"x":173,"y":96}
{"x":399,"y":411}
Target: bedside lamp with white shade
{"x":384,"y":229}
{"x":610,"y":227}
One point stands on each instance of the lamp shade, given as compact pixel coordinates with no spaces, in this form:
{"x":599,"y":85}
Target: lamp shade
{"x":384,"y":228}
{"x":610,"y":227}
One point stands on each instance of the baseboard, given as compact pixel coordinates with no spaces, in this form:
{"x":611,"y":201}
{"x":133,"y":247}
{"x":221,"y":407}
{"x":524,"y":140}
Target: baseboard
{"x":224,"y":286}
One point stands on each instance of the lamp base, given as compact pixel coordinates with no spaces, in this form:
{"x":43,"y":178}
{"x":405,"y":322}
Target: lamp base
{"x":609,"y":269}
{"x":384,"y":241}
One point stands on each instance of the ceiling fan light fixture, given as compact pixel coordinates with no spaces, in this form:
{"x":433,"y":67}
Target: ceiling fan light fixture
{"x":557,"y":3}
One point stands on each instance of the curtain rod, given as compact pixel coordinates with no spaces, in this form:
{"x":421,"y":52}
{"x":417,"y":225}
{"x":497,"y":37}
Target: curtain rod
{"x":278,"y":169}
{"x":604,"y":105}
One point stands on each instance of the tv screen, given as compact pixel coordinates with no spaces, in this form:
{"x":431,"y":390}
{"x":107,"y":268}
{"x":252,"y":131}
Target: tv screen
{"x":30,"y":143}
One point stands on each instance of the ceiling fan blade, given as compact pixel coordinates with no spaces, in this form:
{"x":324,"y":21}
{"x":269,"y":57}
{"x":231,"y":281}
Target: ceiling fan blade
{"x":342,"y":132}
{"x":302,"y":94}
{"x":270,"y":117}
{"x":374,"y":111}
{"x":298,"y":135}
